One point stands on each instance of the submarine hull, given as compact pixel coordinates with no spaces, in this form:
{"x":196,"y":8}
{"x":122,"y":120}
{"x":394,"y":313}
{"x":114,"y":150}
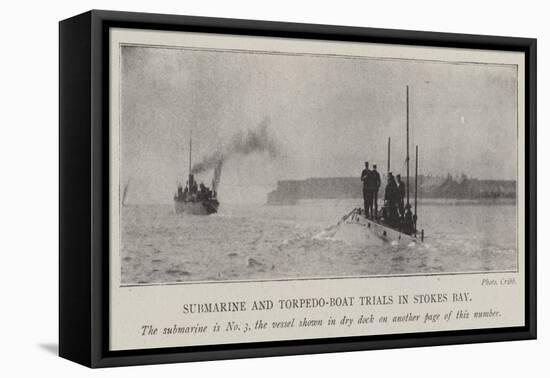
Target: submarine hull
{"x":356,"y":219}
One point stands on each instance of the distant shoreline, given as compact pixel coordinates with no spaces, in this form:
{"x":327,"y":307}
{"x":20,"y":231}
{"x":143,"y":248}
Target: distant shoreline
{"x":424,"y":201}
{"x":428,"y":201}
{"x":429,"y":187}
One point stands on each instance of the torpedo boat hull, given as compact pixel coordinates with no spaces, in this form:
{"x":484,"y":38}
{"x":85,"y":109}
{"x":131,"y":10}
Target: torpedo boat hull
{"x":196,"y":207}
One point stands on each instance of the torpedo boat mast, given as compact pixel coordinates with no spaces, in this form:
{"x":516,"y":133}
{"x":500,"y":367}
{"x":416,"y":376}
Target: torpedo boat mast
{"x":408,"y":204}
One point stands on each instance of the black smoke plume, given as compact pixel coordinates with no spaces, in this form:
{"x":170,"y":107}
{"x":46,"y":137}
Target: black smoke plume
{"x":257,"y":140}
{"x":217,"y":176}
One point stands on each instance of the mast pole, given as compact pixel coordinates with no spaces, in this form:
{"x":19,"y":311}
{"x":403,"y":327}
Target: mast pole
{"x":190,"y":148}
{"x":415,"y":187}
{"x":389,"y":150}
{"x":408,"y":203}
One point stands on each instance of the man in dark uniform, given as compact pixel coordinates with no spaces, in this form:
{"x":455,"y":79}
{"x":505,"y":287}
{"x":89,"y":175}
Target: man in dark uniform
{"x":366,"y":178}
{"x":185,"y":193}
{"x":375,"y":185}
{"x":391,"y":196}
{"x":408,"y":221}
{"x":179,"y":194}
{"x":202,"y":192}
{"x":401,"y":186}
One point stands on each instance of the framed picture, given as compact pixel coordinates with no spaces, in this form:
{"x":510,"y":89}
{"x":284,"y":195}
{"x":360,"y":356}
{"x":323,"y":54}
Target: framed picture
{"x":233,"y":188}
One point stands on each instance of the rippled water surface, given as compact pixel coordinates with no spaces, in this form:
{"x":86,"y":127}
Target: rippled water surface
{"x":275,"y":242}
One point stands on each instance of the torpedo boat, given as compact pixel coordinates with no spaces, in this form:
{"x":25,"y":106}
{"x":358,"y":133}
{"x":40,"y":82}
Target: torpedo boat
{"x":195,"y":199}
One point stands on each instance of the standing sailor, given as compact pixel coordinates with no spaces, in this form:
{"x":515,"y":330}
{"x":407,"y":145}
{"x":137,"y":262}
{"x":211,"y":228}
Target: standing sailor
{"x":376,"y":186}
{"x":185,"y":193}
{"x":407,"y":225}
{"x":391,"y":196}
{"x":365,"y":177}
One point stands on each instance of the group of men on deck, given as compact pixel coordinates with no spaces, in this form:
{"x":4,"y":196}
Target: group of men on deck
{"x":194,"y":192}
{"x":394,"y":212}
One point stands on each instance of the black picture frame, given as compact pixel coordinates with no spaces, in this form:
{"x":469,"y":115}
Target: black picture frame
{"x":84,"y":187}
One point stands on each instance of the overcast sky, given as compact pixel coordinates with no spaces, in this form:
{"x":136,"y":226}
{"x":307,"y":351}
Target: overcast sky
{"x":328,"y":115}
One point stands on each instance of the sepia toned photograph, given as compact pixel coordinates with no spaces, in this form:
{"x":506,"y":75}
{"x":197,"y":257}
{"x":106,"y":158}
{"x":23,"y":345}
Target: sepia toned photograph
{"x":258,"y":165}
{"x":236,"y":188}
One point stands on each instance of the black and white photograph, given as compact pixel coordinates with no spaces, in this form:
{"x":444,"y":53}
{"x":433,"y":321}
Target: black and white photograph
{"x":265,"y":165}
{"x":277,"y":189}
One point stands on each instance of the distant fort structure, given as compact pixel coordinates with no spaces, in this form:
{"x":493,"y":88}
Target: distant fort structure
{"x":291,"y":191}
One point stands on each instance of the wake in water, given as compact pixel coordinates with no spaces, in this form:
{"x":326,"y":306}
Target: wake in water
{"x":350,"y":234}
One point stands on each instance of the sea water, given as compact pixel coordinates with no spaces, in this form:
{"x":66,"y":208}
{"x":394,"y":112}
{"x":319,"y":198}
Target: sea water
{"x":265,"y":242}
